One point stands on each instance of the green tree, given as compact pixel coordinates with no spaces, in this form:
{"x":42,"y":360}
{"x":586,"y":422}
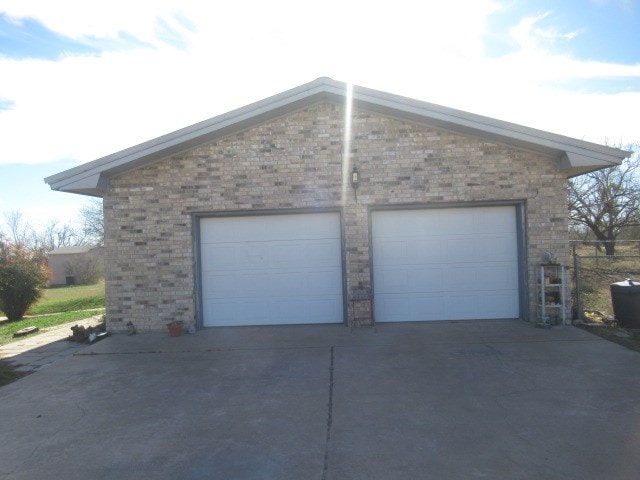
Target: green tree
{"x":607,"y":201}
{"x":22,"y":278}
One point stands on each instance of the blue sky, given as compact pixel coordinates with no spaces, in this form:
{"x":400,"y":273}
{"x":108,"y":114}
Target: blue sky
{"x":604,"y":31}
{"x":80,"y":80}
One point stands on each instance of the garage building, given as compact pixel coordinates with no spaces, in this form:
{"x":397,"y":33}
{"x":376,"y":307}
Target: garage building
{"x":275,"y":213}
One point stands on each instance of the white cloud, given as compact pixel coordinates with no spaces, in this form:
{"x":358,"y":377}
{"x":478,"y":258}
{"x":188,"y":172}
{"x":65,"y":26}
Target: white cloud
{"x":80,"y":19}
{"x":84,"y":107}
{"x":529,"y":32}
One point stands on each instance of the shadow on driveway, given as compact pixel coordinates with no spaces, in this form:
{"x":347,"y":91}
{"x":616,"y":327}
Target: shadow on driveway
{"x":442,"y":400}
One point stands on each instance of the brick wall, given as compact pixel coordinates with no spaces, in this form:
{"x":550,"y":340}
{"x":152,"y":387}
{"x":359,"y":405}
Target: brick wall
{"x":296,"y":162}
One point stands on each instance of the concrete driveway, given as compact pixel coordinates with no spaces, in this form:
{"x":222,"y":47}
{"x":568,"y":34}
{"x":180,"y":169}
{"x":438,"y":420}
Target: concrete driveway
{"x":445,"y":400}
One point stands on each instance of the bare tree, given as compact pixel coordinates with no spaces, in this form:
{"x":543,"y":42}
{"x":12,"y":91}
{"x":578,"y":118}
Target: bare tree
{"x":607,"y":201}
{"x":55,"y":235}
{"x":92,"y":221}
{"x":86,"y":268}
{"x":19,"y":230}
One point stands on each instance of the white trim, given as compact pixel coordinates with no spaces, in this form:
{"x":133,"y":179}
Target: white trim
{"x":574,"y":156}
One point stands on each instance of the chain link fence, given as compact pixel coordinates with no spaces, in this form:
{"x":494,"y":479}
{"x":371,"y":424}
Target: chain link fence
{"x":592,"y":273}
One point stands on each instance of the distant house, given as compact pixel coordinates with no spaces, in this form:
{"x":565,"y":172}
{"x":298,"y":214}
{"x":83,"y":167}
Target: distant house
{"x":75,"y":265}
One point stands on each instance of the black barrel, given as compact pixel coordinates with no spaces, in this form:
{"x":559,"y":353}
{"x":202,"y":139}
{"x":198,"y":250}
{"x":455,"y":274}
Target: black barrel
{"x":625,"y":297}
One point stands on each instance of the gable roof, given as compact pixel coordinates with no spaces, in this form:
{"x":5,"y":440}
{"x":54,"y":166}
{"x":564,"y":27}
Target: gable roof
{"x":574,"y":157}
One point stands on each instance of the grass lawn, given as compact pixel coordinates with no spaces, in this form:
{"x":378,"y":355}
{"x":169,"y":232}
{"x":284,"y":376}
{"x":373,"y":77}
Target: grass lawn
{"x":7,"y":329}
{"x":59,"y":305}
{"x":597,"y":274}
{"x":68,"y":299}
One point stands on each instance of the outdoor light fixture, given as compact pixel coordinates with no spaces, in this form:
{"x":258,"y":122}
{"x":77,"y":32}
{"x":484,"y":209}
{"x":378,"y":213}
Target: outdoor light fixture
{"x":355,"y":180}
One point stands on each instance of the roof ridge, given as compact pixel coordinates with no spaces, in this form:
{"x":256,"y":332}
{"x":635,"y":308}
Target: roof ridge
{"x":576,"y":156}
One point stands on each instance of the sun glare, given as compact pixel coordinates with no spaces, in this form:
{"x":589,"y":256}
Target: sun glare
{"x":346,"y":143}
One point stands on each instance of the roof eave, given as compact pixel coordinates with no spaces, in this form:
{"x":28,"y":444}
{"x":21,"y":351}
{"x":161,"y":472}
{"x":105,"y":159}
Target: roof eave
{"x":574,"y":156}
{"x":91,"y":178}
{"x":93,"y":184}
{"x":575,"y":164}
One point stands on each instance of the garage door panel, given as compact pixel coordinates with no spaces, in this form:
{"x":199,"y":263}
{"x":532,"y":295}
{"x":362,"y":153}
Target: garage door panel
{"x":393,"y":307}
{"x":321,"y":282}
{"x":294,"y":284}
{"x":393,"y":280}
{"x":464,"y":306}
{"x":210,"y":233}
{"x":475,"y":248}
{"x":237,"y":285}
{"x":429,"y":279}
{"x":222,"y":286}
{"x":407,"y":307}
{"x":321,"y":309}
{"x":389,"y":225}
{"x":503,"y":277}
{"x":285,"y":253}
{"x":424,"y":251}
{"x":265,"y":255}
{"x":225,"y":312}
{"x":299,"y":310}
{"x":392,"y":253}
{"x":286,"y":284}
{"x":496,"y":247}
{"x":461,"y":277}
{"x":455,"y":221}
{"x":229,"y":256}
{"x":289,"y":284}
{"x":268,"y":228}
{"x":502,"y":304}
{"x":480,"y":277}
{"x":458,"y":250}
{"x":303,"y":254}
{"x":320,"y":254}
{"x":277,"y":269}
{"x":219,"y":258}
{"x":445,"y":264}
{"x":254,"y":256}
{"x":257,"y":310}
{"x":451,"y":306}
{"x":491,"y":220}
{"x":410,"y":251}
{"x":428,"y":307}
{"x":304,"y":227}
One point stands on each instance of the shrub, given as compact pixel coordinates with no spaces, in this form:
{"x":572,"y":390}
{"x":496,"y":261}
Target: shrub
{"x":22,"y":278}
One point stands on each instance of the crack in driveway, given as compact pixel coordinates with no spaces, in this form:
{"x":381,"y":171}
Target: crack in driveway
{"x":329,"y":418}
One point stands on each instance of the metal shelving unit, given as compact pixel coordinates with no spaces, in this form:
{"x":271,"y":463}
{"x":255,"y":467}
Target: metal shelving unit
{"x":552,"y":303}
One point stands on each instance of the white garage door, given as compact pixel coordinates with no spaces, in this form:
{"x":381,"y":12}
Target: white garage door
{"x":275,"y":269}
{"x":445,"y":264}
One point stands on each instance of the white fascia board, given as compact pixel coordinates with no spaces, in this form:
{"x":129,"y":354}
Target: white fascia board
{"x":574,"y":164}
{"x":92,"y":184}
{"x":91,"y":178}
{"x":493,"y":129}
{"x":93,"y":175}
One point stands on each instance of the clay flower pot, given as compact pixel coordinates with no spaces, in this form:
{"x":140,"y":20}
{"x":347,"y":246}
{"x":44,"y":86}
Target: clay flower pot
{"x":175,"y":328}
